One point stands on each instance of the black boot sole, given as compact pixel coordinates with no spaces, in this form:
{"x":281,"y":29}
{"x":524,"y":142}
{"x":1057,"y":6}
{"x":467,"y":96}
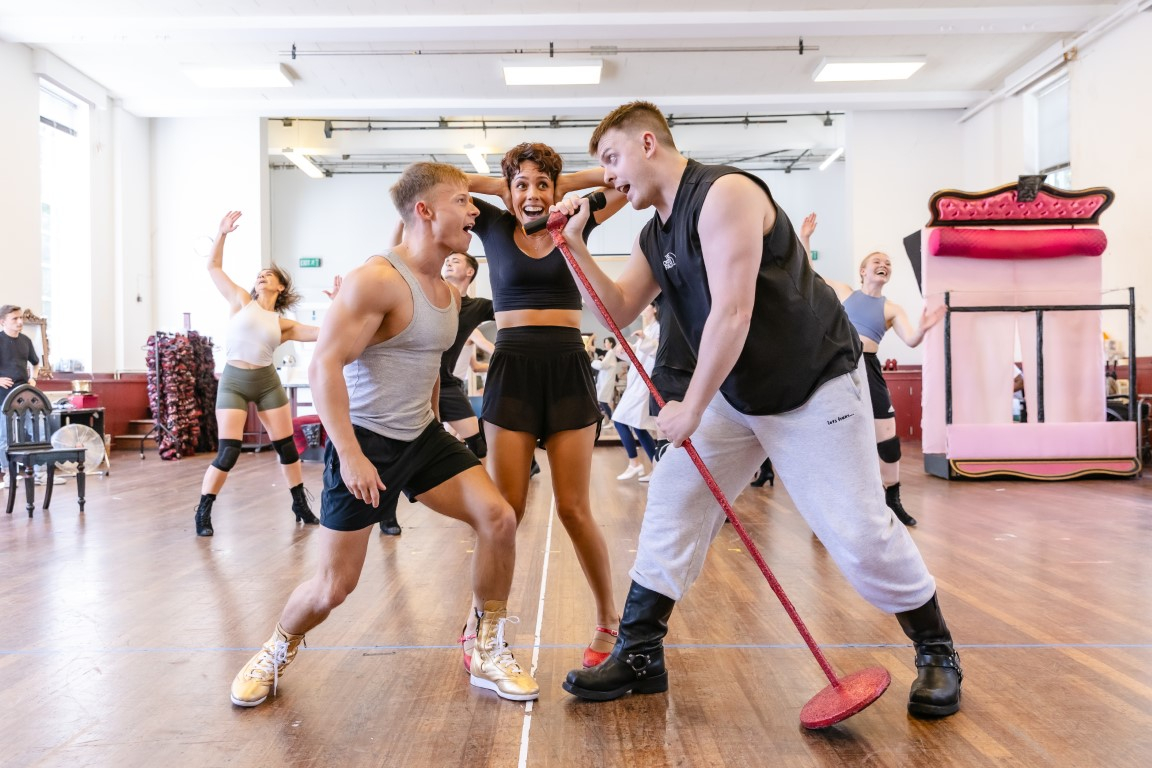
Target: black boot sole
{"x":931,"y":711}
{"x":658,"y":684}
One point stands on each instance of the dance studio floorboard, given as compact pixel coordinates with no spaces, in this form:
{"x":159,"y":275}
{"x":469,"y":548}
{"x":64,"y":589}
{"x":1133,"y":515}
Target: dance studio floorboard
{"x":120,"y":632}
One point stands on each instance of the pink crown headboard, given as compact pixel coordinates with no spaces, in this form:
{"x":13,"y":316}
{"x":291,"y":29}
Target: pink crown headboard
{"x":953,"y":208}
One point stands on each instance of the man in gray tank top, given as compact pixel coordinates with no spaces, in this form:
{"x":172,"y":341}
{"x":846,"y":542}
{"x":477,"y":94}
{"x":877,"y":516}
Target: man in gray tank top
{"x":375,"y":380}
{"x":777,"y":373}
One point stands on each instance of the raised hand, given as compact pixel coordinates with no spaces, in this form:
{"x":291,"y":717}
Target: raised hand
{"x":336,"y":283}
{"x":228,"y":223}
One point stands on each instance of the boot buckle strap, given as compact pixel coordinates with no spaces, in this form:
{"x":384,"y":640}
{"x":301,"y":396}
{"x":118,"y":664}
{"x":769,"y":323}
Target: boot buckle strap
{"x":950,"y":660}
{"x":639,"y":663}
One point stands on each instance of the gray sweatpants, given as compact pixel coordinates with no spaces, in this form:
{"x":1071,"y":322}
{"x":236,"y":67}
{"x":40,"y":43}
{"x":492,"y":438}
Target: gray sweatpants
{"x":825,"y":454}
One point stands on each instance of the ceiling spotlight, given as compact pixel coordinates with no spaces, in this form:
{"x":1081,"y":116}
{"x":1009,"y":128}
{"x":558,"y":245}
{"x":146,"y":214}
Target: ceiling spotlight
{"x":552,"y":72}
{"x":855,"y":70}
{"x":303,"y":162}
{"x":827,"y":119}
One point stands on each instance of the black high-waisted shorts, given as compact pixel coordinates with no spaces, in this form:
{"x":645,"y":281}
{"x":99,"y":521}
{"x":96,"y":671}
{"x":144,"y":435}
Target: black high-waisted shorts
{"x":540,"y":381}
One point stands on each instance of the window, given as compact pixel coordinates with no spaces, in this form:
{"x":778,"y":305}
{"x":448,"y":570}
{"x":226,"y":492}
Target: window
{"x":1053,"y":143}
{"x":65,"y":239}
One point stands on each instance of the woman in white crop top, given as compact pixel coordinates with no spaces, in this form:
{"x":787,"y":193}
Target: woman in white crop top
{"x":255,"y":330}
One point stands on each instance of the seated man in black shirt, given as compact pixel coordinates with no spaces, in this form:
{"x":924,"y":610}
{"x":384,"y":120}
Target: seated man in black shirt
{"x":18,"y":361}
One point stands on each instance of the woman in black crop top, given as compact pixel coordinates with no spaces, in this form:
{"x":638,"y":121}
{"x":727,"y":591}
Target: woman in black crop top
{"x":539,"y":384}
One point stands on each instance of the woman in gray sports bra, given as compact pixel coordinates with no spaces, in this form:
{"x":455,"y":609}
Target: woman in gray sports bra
{"x":873,"y":315}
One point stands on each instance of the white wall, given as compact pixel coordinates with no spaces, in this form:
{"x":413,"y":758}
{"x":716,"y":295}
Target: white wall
{"x":896,"y":160}
{"x":1111,"y":109}
{"x":133,"y":306}
{"x":20,"y":191}
{"x":201,"y":169}
{"x":344,"y":219}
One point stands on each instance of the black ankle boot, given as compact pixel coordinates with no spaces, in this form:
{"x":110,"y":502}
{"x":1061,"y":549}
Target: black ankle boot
{"x":892,"y":498}
{"x":204,"y":515}
{"x":301,"y":508}
{"x":765,"y":475}
{"x":389,"y":526}
{"x":637,"y":661}
{"x":936,"y":692}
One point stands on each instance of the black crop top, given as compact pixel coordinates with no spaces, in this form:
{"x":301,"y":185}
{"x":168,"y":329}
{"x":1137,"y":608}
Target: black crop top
{"x":518,"y":280}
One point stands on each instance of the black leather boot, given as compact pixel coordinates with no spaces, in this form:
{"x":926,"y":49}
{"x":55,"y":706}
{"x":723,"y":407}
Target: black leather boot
{"x":301,"y":508}
{"x":892,"y":498}
{"x":389,"y":526}
{"x":936,"y":692}
{"x":765,"y":475}
{"x":204,"y":515}
{"x":636,"y":664}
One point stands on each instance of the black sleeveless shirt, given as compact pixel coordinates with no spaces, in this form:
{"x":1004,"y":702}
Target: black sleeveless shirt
{"x":799,"y":335}
{"x":474,"y":310}
{"x":518,"y":280}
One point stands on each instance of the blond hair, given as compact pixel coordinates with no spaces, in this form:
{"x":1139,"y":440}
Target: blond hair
{"x":418,"y":180}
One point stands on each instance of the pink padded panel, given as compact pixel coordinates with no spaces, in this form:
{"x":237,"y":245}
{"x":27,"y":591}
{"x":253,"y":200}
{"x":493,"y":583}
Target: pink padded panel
{"x":1004,"y":207}
{"x":1016,"y":244}
{"x":1070,"y":440}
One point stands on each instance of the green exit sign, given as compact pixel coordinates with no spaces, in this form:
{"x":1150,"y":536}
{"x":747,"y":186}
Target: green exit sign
{"x":309,"y":263}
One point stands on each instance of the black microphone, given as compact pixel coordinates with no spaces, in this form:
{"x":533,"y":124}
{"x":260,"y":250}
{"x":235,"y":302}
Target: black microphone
{"x":596,"y":201}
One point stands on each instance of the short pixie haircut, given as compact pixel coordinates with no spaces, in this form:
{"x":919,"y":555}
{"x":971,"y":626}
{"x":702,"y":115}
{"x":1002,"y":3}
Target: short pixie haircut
{"x":546,"y":158}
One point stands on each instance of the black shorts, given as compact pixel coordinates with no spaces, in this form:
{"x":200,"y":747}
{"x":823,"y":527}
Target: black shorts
{"x":878,"y":388}
{"x":413,"y":467}
{"x":454,"y":402}
{"x":540,"y":382}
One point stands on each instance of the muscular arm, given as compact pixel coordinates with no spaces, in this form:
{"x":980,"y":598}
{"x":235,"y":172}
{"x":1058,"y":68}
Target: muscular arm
{"x":732,"y":227}
{"x":368,"y":294}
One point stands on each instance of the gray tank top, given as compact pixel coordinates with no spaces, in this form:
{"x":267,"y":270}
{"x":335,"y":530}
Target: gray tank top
{"x":390,"y":383}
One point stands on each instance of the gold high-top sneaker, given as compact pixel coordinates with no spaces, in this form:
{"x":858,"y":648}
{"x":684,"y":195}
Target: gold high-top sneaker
{"x":262,"y":672}
{"x":493,"y":666}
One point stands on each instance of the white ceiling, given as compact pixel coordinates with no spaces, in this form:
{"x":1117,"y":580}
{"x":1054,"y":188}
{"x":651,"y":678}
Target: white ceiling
{"x":406,"y":60}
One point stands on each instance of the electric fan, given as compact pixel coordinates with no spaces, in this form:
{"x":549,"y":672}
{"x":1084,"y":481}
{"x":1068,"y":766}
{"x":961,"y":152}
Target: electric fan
{"x":80,"y":436}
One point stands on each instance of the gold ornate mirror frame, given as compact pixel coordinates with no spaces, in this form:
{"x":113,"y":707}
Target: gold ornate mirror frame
{"x":36,"y":328}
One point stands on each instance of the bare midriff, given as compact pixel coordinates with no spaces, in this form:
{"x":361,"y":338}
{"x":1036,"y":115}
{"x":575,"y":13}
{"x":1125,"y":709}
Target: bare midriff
{"x":244,"y":365}
{"x":870,"y":346}
{"x":520,"y":318}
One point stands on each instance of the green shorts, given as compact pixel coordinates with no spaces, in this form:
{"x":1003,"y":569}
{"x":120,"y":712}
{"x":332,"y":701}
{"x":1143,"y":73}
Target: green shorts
{"x":240,"y":386}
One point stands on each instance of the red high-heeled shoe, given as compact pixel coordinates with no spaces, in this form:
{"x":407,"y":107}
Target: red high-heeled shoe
{"x":594,"y":658}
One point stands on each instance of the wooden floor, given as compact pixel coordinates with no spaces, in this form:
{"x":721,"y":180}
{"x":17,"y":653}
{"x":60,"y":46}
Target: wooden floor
{"x":120,"y":632}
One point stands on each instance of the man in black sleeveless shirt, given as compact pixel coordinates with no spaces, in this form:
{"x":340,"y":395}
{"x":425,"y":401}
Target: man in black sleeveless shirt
{"x":777,"y":373}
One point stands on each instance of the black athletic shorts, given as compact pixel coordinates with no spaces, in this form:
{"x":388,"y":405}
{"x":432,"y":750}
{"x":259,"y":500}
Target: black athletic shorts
{"x":454,"y":402}
{"x":878,"y":388}
{"x":540,"y":381}
{"x":412,"y":467}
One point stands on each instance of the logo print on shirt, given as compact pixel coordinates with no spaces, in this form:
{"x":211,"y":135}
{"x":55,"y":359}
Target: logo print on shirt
{"x":669,"y":260}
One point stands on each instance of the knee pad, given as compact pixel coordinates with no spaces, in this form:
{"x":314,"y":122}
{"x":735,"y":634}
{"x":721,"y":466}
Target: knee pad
{"x":477,"y":444}
{"x":227,"y":455}
{"x":889,"y":450}
{"x":286,"y":447}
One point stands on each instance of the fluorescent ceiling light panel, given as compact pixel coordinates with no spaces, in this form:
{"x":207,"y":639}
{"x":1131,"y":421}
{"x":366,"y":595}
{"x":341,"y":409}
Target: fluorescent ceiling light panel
{"x":303,"y":163}
{"x":274,"y":76}
{"x":479,"y":161}
{"x":831,"y":158}
{"x":552,"y":71}
{"x":855,"y":70}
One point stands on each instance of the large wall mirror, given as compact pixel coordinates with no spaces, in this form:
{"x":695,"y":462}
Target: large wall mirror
{"x":36,"y":328}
